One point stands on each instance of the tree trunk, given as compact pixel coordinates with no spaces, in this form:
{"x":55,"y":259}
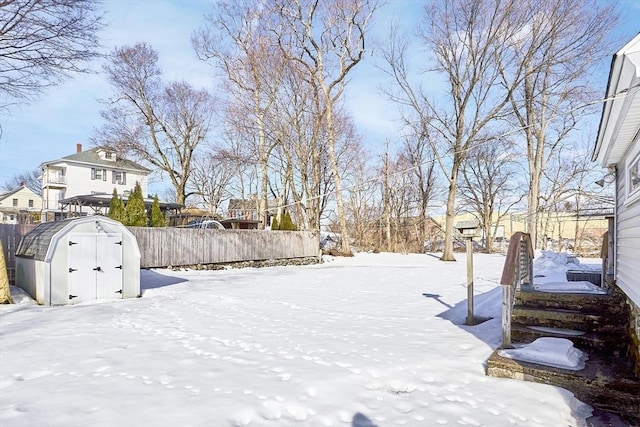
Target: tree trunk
{"x":447,"y":253}
{"x":342,"y":220}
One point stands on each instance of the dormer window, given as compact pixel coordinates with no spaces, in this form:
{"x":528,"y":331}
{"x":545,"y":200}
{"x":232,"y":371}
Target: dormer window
{"x":107,"y":155}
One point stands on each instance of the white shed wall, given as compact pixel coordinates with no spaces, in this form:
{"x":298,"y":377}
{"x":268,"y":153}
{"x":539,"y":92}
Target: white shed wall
{"x":48,"y":281}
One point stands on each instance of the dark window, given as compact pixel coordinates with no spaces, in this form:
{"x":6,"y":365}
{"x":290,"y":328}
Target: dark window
{"x":119,"y":177}
{"x":98,"y":174}
{"x":30,"y":203}
{"x":15,"y":203}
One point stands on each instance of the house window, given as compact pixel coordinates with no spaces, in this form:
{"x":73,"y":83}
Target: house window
{"x":119,"y":177}
{"x":30,"y":203}
{"x":15,"y":203}
{"x":634,"y":175}
{"x":98,"y":174}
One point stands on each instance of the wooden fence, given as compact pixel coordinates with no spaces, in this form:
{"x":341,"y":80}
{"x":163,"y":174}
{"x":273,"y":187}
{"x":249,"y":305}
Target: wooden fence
{"x":10,"y":235}
{"x":168,"y":246}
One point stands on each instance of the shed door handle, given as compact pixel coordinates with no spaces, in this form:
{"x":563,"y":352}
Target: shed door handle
{"x":71,"y":270}
{"x":97,"y":269}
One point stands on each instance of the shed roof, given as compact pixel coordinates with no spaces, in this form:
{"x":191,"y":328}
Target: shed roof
{"x":37,"y":242}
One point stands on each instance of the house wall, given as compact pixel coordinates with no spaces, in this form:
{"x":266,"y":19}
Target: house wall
{"x":628,"y":229}
{"x":9,"y":212}
{"x":76,"y":180}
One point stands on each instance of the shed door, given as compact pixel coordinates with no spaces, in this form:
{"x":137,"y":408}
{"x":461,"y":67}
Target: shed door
{"x":109,"y":261}
{"x":95,"y":266}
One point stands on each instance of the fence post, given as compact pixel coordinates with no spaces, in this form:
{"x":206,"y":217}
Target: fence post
{"x":507,"y":295}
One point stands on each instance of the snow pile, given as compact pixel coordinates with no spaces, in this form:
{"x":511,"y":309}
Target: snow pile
{"x":578,"y":287}
{"x":19,"y":296}
{"x":548,"y":351}
{"x":547,"y":263}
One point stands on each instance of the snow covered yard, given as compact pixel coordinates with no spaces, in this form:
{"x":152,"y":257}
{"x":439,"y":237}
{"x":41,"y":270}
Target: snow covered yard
{"x":373,"y":340}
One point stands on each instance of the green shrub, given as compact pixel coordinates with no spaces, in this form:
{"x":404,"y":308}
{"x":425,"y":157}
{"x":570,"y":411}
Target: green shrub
{"x":157,"y":218}
{"x":136,"y":212}
{"x":285,"y":223}
{"x":116,"y":208}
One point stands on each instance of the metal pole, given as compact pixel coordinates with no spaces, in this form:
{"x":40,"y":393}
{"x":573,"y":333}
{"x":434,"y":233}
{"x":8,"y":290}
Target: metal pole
{"x":470,"y":321}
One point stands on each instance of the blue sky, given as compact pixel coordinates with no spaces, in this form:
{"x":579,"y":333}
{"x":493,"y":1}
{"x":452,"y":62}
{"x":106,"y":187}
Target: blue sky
{"x":51,"y":126}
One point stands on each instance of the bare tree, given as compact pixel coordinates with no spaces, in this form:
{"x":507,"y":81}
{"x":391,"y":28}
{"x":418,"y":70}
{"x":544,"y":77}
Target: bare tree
{"x":326,"y":40}
{"x":159,"y":124}
{"x":30,"y":179}
{"x":560,"y":43}
{"x":467,"y":40}
{"x":212,"y":174}
{"x":237,"y":37}
{"x":490,"y":187}
{"x":561,"y":194}
{"x":363,"y":205}
{"x":42,"y":41}
{"x":423,"y":177}
{"x":302,"y":148}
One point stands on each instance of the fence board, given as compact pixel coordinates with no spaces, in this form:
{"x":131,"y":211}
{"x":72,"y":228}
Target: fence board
{"x":169,"y":246}
{"x":162,"y":247}
{"x":10,"y":235}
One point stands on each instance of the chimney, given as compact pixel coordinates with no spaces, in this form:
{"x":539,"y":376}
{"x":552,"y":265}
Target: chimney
{"x":78,"y":148}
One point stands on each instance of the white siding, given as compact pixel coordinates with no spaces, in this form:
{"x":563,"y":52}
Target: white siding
{"x":628,"y":233}
{"x":26,"y":200}
{"x":79,"y":182}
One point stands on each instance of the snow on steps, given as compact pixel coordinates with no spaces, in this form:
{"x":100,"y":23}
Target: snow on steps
{"x":597,"y":325}
{"x":602,"y":320}
{"x":605,"y":383}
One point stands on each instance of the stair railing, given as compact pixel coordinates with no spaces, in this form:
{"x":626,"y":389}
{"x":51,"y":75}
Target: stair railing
{"x":517,"y":271}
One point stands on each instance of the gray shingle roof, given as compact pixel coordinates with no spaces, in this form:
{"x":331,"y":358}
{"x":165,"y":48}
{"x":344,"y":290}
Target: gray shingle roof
{"x":92,"y":157}
{"x":36,"y":243}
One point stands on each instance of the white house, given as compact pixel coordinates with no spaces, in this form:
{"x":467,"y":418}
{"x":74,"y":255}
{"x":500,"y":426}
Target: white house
{"x":20,"y":206}
{"x":92,"y":172}
{"x":618,"y":149}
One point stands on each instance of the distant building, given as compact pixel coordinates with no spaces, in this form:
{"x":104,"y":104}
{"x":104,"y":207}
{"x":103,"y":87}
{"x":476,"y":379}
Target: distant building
{"x":93,"y":172}
{"x":244,"y":213}
{"x":20,"y":206}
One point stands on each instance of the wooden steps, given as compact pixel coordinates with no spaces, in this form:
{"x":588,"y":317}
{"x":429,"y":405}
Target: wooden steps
{"x":596,"y":324}
{"x":605,"y":383}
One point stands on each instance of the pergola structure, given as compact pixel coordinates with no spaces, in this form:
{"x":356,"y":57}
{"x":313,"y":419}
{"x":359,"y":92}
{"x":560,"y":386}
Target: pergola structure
{"x":99,"y":204}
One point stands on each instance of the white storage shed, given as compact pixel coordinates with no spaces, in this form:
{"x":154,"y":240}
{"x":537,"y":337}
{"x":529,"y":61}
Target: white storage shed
{"x":78,"y":260}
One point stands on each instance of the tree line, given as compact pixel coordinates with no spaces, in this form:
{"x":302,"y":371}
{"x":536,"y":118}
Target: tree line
{"x":491,"y":95}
